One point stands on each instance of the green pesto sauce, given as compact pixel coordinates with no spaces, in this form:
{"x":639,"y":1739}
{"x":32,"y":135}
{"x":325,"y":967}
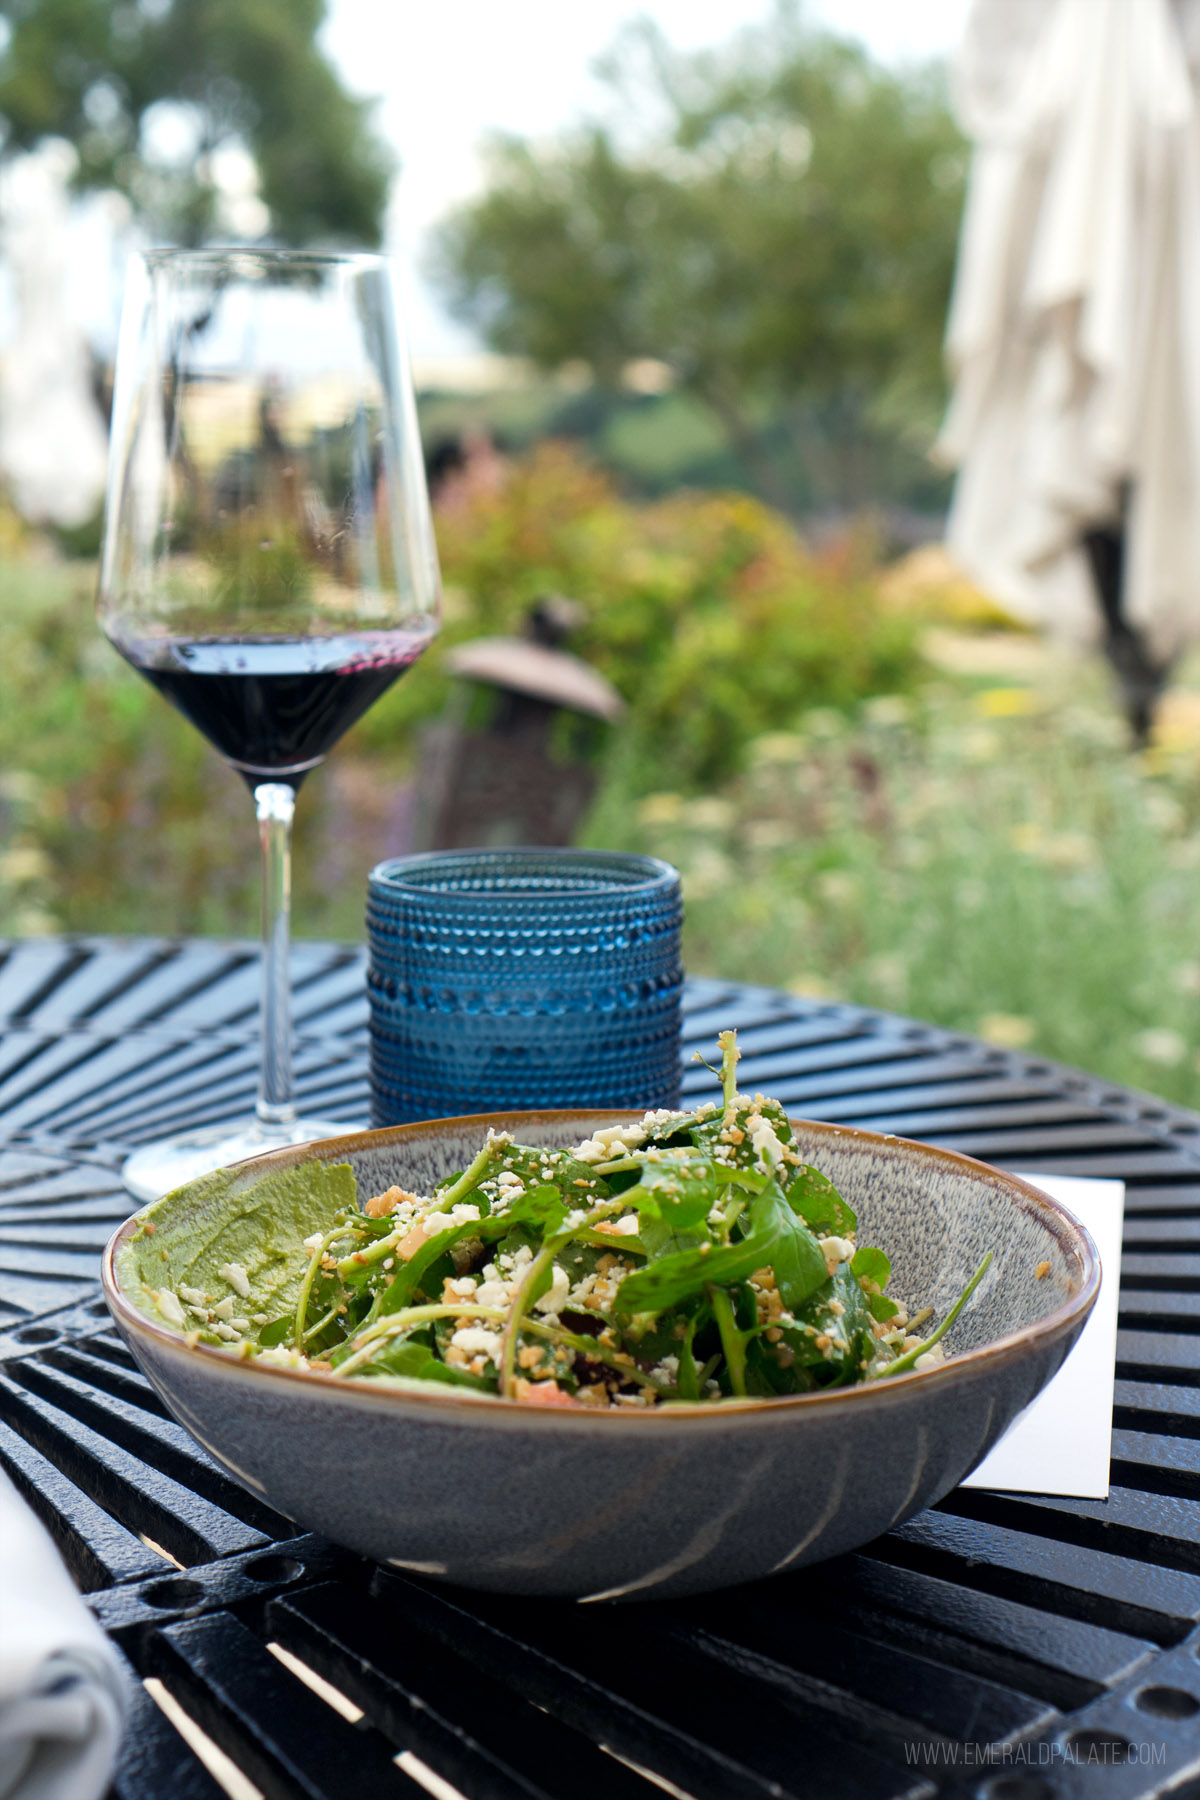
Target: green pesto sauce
{"x":256,"y":1221}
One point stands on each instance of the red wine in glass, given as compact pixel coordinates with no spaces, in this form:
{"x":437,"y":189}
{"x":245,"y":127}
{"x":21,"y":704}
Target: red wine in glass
{"x":274,"y":707}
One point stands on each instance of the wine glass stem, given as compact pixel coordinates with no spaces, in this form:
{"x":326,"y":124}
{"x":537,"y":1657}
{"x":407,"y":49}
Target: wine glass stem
{"x":275,"y":804}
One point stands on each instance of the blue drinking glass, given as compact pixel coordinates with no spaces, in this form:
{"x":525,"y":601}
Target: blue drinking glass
{"x":522,"y":979}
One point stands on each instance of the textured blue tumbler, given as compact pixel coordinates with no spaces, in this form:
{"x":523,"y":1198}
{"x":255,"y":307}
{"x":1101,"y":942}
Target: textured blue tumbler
{"x":522,"y":979}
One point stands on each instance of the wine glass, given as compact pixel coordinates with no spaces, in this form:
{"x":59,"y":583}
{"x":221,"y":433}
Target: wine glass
{"x":269,"y":561}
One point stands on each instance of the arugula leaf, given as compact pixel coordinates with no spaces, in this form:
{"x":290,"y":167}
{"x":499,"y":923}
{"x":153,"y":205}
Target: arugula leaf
{"x":881,"y":1308}
{"x":411,"y":1358}
{"x":432,"y":1370}
{"x":543,"y":1206}
{"x":670,"y":1279}
{"x":679,"y":1190}
{"x":753,"y":1179}
{"x":832,"y":1366}
{"x":816,"y":1200}
{"x":870,"y":1264}
{"x":399,"y":1356}
{"x":276,"y":1331}
{"x":797,"y":1259}
{"x":659,"y":1239}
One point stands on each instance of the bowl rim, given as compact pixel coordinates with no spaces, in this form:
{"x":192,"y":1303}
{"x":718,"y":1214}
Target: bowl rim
{"x":1073,"y":1238}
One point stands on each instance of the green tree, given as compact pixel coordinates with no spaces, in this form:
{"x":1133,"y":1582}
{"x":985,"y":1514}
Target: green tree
{"x":244,"y":72}
{"x":783,"y":233}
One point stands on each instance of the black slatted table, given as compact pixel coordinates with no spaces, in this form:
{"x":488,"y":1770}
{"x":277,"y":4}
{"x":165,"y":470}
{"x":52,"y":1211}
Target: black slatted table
{"x":1002,"y":1647}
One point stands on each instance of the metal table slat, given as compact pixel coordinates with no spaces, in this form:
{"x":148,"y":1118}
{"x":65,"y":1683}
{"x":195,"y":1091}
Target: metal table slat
{"x":507,"y":1748}
{"x":1015,"y":1620}
{"x":261,"y":1713}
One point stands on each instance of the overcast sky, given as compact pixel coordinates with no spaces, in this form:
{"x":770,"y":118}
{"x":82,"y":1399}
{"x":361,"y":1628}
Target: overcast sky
{"x":449,"y":73}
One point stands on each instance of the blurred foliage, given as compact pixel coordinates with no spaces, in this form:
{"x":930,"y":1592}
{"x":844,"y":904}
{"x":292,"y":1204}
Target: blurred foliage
{"x":986,"y":854}
{"x":982,"y":851}
{"x":654,"y":444}
{"x":784,"y":228}
{"x":244,"y":72}
{"x":706,"y":611}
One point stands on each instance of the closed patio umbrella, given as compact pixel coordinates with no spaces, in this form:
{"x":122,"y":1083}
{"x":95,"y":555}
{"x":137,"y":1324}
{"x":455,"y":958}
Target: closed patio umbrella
{"x":1074,"y":330}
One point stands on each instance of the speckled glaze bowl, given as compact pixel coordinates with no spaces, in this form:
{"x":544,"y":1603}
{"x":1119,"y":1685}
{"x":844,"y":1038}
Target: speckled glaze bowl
{"x":527,"y":1499}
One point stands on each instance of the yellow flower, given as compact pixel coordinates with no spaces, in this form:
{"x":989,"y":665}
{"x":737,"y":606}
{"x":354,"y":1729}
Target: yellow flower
{"x":1161,"y":1045}
{"x":770,"y":834}
{"x":710,"y":813}
{"x":811,"y":986}
{"x":981,"y":745}
{"x":889,"y":975}
{"x":661,"y":809}
{"x":32,"y":921}
{"x":779,"y":747}
{"x":1005,"y":703}
{"x":706,"y":872}
{"x":838,"y":886}
{"x":888,"y":709}
{"x":1068,"y":850}
{"x":24,"y":862}
{"x":1009,"y":1030}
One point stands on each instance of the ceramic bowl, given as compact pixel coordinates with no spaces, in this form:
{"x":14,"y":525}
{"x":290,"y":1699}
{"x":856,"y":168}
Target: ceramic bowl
{"x":527,"y":1499}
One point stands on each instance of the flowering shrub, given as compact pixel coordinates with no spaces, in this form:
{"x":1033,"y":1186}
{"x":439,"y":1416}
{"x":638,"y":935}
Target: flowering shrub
{"x":706,"y":611}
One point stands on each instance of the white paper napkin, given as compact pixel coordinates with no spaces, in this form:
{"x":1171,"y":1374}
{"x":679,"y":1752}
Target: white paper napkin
{"x":62,"y":1691}
{"x":1062,"y":1443}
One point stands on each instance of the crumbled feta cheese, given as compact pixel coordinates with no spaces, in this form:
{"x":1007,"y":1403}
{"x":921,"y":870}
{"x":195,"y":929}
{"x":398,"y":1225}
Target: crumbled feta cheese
{"x":836,"y":1249}
{"x":462,"y":1287}
{"x":767,"y":1147}
{"x":192,"y":1295}
{"x":237,"y":1278}
{"x":315,"y":1241}
{"x":227,"y":1332}
{"x":554,"y":1298}
{"x":224,"y":1308}
{"x":626,"y":1227}
{"x":475,"y":1340}
{"x":607,"y":1143}
{"x":169,"y":1307}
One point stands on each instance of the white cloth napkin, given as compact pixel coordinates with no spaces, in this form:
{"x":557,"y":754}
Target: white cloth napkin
{"x":1062,"y":1442}
{"x":62,"y":1690}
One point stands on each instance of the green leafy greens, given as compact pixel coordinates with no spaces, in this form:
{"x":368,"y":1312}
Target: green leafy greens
{"x":691,"y":1257}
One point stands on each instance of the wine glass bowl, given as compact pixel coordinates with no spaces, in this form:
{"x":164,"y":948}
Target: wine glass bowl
{"x":269,"y":561}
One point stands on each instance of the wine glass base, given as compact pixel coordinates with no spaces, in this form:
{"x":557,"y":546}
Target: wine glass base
{"x":157,"y":1168}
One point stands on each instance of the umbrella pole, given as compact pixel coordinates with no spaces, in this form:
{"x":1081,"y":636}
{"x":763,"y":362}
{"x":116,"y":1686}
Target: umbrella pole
{"x":1140,"y":678}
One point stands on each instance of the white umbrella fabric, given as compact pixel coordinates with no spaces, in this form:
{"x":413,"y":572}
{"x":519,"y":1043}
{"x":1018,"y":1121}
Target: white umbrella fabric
{"x":53,"y":441}
{"x":1074,"y":330}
